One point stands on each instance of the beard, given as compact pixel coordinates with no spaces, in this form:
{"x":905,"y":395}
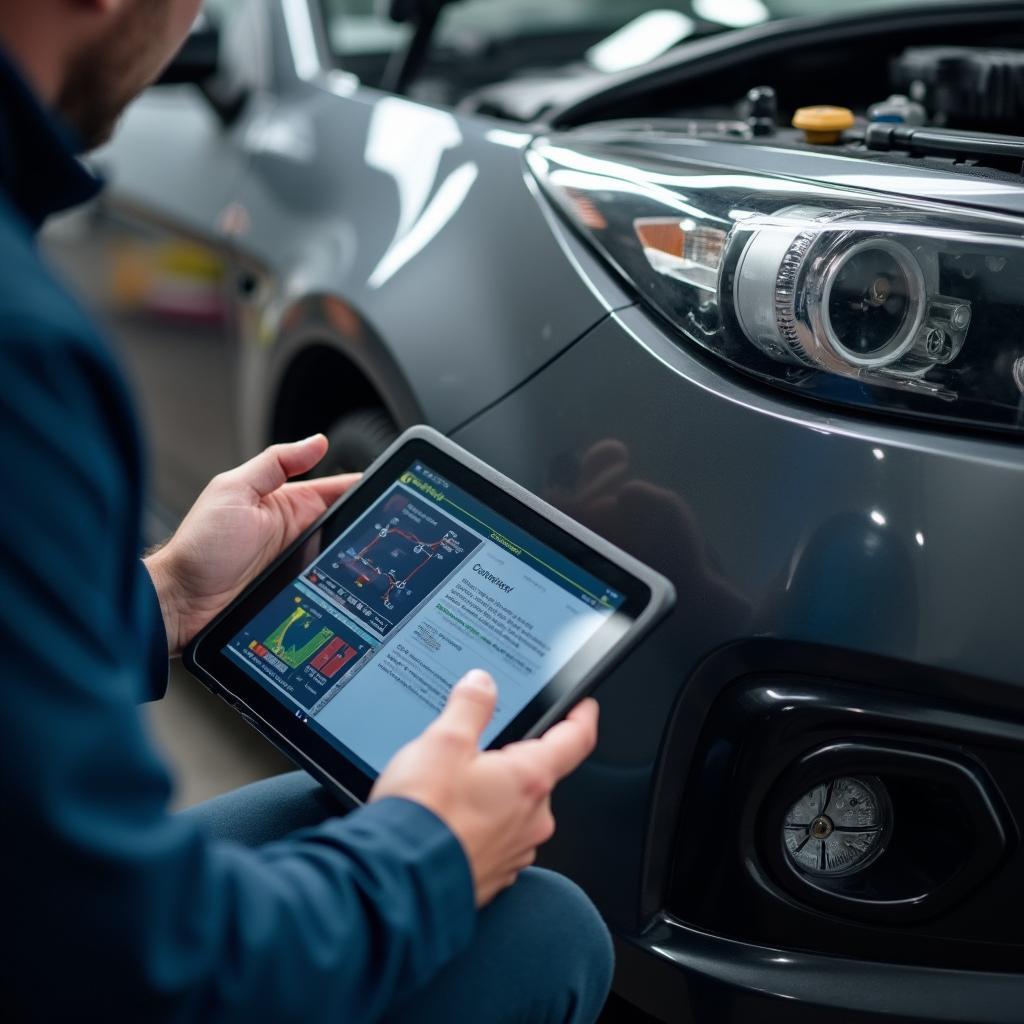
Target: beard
{"x":107,"y":75}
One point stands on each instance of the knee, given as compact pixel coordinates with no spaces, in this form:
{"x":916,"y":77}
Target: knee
{"x":264,"y":811}
{"x":571,"y":943}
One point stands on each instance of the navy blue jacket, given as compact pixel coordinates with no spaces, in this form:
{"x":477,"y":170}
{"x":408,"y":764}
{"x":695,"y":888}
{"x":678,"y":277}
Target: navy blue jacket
{"x":111,"y":905}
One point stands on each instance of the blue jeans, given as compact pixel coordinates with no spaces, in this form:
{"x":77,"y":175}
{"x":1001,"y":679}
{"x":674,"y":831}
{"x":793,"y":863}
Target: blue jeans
{"x":540,"y":954}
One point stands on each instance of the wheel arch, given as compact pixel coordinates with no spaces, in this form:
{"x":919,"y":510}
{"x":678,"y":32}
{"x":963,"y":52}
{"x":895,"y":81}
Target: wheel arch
{"x":328,"y":361}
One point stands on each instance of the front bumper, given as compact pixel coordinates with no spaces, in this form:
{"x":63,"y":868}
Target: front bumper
{"x":802,"y":541}
{"x":678,"y":973}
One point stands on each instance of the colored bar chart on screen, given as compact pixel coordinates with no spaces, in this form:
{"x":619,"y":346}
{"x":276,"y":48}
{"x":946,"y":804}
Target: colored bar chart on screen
{"x":301,"y":645}
{"x":339,"y":661}
{"x":325,"y":655}
{"x":333,"y":658}
{"x":296,"y":639}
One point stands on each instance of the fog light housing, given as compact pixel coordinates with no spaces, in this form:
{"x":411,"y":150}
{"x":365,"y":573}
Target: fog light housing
{"x":950,"y":832}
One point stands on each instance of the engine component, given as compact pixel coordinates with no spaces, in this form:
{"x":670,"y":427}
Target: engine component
{"x":823,"y":126}
{"x":1005,"y":152}
{"x":898,"y":109}
{"x":964,"y":86}
{"x":764,"y":110}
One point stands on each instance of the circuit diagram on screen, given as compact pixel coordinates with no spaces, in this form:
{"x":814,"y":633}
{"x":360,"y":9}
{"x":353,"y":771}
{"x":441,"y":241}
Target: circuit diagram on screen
{"x":395,"y":554}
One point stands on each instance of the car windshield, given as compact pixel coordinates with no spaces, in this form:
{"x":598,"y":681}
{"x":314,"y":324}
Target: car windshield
{"x":638,"y":29}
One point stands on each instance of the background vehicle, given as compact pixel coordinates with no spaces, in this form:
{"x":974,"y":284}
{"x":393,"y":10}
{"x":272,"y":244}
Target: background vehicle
{"x":786,"y":372}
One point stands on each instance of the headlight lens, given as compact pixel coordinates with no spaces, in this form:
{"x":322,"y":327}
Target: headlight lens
{"x":903,"y":306}
{"x":871,"y":303}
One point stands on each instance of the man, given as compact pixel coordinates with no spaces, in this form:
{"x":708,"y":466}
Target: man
{"x":113,"y":909}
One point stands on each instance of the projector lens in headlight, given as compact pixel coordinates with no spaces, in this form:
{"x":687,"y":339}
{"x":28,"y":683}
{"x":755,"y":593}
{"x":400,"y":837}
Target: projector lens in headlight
{"x":910,"y":307}
{"x":872,"y":302}
{"x":822,"y":291}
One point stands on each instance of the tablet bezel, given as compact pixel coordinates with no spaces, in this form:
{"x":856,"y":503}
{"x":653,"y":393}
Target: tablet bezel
{"x":647,"y":597}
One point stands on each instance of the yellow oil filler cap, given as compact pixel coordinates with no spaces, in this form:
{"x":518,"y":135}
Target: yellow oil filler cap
{"x":822,"y":126}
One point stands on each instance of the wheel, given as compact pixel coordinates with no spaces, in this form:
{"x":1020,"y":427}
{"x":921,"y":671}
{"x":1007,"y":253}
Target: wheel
{"x":356,"y":440}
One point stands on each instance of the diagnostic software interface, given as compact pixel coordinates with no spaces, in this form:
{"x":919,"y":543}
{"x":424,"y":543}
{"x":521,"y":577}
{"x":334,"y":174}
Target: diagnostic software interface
{"x":427,"y":584}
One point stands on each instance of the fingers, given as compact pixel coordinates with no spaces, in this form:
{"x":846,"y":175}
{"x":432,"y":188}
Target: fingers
{"x":543,"y":827}
{"x":510,"y":876}
{"x":470,"y":706}
{"x":565,"y":746}
{"x":267,"y":471}
{"x":330,"y":488}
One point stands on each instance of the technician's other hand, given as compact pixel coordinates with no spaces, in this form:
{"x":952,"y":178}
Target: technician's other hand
{"x":243,"y":520}
{"x":497,"y":802}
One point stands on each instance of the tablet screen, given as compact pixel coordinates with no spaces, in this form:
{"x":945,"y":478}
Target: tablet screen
{"x":429,"y":582}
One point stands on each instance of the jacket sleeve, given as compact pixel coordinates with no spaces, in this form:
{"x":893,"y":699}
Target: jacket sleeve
{"x":113,"y":907}
{"x":156,"y":677}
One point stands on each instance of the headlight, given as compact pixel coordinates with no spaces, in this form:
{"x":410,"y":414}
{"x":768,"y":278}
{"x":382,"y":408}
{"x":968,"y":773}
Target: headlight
{"x":897,"y":305}
{"x":845,"y":299}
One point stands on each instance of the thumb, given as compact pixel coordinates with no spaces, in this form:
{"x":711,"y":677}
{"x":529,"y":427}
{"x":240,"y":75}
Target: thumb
{"x":470,"y":705}
{"x":271,"y":468}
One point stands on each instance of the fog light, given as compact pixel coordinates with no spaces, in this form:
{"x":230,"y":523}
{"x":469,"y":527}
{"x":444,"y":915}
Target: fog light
{"x":839,"y":827}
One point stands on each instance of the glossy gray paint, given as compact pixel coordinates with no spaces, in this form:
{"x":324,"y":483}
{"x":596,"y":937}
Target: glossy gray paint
{"x":447,"y":192}
{"x":465,"y":338}
{"x":760,"y":511}
{"x":740,"y":467}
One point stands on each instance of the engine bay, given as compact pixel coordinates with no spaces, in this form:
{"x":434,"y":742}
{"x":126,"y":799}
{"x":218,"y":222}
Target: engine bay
{"x":944,"y":87}
{"x":951,"y":106}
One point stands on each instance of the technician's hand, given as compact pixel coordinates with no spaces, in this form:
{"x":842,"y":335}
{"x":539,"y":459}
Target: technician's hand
{"x":238,"y":525}
{"x":497,"y":802}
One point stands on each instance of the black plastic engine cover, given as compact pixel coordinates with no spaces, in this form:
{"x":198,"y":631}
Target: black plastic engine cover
{"x":964,"y":86}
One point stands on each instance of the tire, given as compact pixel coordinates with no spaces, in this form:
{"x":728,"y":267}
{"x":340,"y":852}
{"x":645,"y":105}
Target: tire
{"x":356,"y":440}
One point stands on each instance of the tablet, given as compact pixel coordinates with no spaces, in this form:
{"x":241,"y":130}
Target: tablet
{"x":434,"y":564}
